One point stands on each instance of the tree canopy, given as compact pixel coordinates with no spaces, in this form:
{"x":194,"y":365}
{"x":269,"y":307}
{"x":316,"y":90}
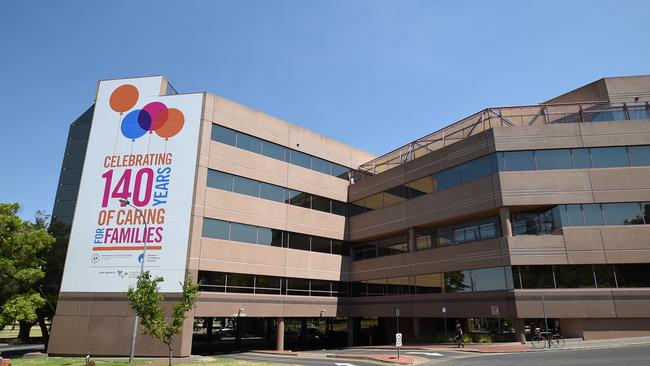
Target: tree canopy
{"x":22,"y":245}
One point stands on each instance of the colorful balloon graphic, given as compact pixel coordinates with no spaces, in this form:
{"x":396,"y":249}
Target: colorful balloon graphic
{"x":173,"y":124}
{"x":153,"y":117}
{"x":131,"y":125}
{"x":124,"y":98}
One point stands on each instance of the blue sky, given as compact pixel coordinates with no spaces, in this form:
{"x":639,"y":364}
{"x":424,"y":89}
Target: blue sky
{"x":374,"y":74}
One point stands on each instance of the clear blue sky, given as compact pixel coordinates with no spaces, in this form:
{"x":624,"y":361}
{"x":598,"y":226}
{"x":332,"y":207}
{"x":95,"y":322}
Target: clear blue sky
{"x":374,"y":74}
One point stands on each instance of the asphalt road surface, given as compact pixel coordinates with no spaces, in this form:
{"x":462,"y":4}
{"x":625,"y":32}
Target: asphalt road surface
{"x":620,"y":356}
{"x":293,"y":360}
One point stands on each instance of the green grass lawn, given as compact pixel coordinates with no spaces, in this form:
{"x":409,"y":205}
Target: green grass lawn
{"x":69,"y":361}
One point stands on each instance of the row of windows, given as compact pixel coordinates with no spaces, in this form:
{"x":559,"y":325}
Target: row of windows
{"x":430,"y":238}
{"x":219,"y":229}
{"x":255,"y":188}
{"x":581,"y":158}
{"x":582,"y":276}
{"x":598,"y":214}
{"x":471,"y":280}
{"x":269,"y":285}
{"x":279,"y":152}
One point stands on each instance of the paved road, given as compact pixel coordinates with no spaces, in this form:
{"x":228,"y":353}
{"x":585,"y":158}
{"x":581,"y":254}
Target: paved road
{"x":629,"y":356}
{"x":292,"y":360}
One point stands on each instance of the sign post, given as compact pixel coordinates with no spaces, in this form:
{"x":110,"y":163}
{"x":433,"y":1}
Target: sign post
{"x":398,"y":335}
{"x":444,"y":320}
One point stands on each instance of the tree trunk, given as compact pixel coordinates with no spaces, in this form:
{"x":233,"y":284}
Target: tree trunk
{"x":23,"y":332}
{"x":170,"y":353}
{"x":46,"y":334}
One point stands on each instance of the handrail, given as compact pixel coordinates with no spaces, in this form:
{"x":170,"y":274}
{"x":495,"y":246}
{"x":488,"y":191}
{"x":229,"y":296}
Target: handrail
{"x":511,"y":116}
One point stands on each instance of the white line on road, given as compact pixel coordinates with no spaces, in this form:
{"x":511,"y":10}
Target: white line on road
{"x":425,"y":353}
{"x":345,"y":364}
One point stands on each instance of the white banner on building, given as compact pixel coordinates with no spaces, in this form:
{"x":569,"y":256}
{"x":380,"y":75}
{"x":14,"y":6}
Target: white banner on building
{"x":142,"y":149}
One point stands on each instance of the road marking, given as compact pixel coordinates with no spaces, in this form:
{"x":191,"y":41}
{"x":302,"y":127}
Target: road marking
{"x":345,"y":364}
{"x":425,"y":354}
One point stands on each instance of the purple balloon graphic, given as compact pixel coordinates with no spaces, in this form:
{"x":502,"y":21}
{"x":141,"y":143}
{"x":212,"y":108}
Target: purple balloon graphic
{"x":131,"y":127}
{"x":153,"y":116}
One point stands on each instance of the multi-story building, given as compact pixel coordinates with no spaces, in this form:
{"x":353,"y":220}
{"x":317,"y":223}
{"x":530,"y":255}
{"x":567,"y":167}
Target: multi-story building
{"x":507,"y":219}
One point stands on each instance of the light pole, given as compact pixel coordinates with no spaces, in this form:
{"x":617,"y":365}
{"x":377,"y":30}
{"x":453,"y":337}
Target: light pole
{"x":144,"y":257}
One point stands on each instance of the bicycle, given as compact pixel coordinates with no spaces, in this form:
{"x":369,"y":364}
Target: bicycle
{"x":542,"y":339}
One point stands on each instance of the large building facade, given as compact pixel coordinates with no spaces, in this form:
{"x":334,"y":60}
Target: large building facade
{"x":507,"y":219}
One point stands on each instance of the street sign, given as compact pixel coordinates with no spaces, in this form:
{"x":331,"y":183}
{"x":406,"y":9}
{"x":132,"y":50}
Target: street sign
{"x":495,"y":310}
{"x":398,"y":339}
{"x":444,"y":309}
{"x":396,"y":311}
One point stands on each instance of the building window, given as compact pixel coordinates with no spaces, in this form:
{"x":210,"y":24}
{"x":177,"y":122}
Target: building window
{"x":553,"y":159}
{"x":607,"y":157}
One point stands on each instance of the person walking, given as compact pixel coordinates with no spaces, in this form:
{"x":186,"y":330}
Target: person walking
{"x":459,"y":335}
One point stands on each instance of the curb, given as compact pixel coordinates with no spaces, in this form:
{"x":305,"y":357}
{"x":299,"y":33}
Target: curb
{"x":370,"y":358}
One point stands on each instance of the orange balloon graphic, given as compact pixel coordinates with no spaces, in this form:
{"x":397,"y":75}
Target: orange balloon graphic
{"x":173,"y":124}
{"x":124,"y":98}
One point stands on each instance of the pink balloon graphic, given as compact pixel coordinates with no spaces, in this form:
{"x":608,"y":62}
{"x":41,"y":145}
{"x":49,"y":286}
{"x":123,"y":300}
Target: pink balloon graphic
{"x":157,"y":112}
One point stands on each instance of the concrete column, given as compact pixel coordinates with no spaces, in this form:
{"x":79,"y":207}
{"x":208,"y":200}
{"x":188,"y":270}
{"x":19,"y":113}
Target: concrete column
{"x":506,"y":225}
{"x":416,"y":329}
{"x":411,"y":239}
{"x":279,"y":335}
{"x":519,"y":331}
{"x":350,"y":331}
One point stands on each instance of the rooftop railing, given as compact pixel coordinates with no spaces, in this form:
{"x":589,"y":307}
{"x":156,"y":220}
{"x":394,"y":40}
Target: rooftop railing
{"x":507,"y":117}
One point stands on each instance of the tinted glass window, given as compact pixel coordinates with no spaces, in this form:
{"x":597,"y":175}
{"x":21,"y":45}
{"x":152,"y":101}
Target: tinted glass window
{"x":339,"y":247}
{"x":447,"y":178}
{"x":247,"y":186}
{"x":458,"y":281}
{"x":301,"y":200}
{"x":579,"y":276}
{"x":320,"y":288}
{"x":639,"y":155}
{"x":574,"y":214}
{"x":241,"y":283}
{"x":593,"y":215}
{"x":622,"y":213}
{"x":267,"y":285}
{"x":646,"y":212}
{"x":299,"y":241}
{"x":560,"y":217}
{"x":265,"y":236}
{"x":476,"y":169}
{"x":271,"y":192}
{"x":553,"y":159}
{"x":425,"y":239}
{"x":224,"y":135}
{"x":428,"y":284}
{"x":216,"y":229}
{"x":297,"y":286}
{"x":581,"y":158}
{"x":320,"y":165}
{"x":212,"y":281}
{"x":637,"y":113}
{"x":243,"y":233}
{"x":519,"y":160}
{"x":273,"y":150}
{"x":320,"y":203}
{"x":489,"y":279}
{"x":249,"y":143}
{"x":604,"y":275}
{"x":420,"y":187}
{"x":321,"y":245}
{"x":605,"y":157}
{"x":535,"y":277}
{"x":339,"y":171}
{"x":633,"y":275}
{"x":300,"y":159}
{"x":219,"y":180}
{"x":339,"y":208}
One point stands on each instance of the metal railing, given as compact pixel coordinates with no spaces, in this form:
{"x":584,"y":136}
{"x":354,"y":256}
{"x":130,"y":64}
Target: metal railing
{"x":506,"y":117}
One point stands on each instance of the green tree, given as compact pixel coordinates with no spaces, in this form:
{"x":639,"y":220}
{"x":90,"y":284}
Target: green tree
{"x":146,"y":300}
{"x":22,"y":245}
